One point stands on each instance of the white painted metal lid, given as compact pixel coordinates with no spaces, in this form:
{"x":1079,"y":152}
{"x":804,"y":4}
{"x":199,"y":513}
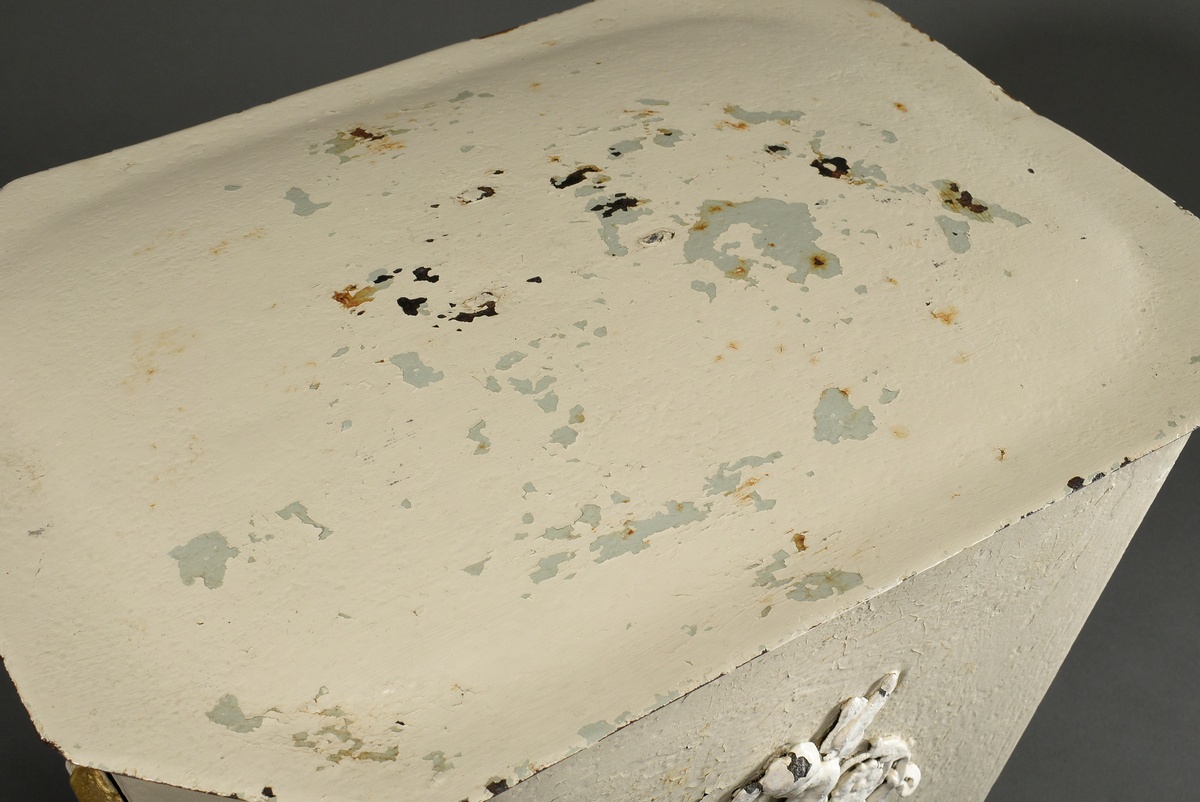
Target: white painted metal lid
{"x":407,"y":435}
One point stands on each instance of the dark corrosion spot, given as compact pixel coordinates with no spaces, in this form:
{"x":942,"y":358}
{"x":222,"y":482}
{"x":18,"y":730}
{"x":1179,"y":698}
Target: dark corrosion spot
{"x":1030,"y":169}
{"x":423,"y":274}
{"x":1075,"y":482}
{"x":575,"y":177}
{"x":434,"y":205}
{"x":410,"y":305}
{"x":364,"y":134}
{"x":753,"y":788}
{"x":487,"y":310}
{"x":831,"y":166}
{"x":956,"y":197}
{"x":268,"y":792}
{"x":620,"y":203}
{"x":1125,"y":462}
{"x":497,"y":787}
{"x":1098,"y":476}
{"x":497,"y":172}
{"x":429,"y":240}
{"x":818,"y":262}
{"x":798,"y":766}
{"x":398,"y":271}
{"x":777,"y":149}
{"x":534,"y":280}
{"x":487,"y":191}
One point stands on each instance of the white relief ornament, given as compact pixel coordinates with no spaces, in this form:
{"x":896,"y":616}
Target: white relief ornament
{"x":838,"y":771}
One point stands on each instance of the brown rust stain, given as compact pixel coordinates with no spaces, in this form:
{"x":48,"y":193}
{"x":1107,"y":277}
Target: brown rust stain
{"x":831,"y":166}
{"x":818,"y":261}
{"x":900,"y":106}
{"x":900,"y":432}
{"x":734,"y":345}
{"x":352,"y":296}
{"x":947,"y":315}
{"x":891,"y":281}
{"x":960,"y":200}
{"x":798,"y":539}
{"x":738,"y":126}
{"x":744,"y":492}
{"x":706,"y":213}
{"x":1001,"y":454}
{"x":363,"y":135}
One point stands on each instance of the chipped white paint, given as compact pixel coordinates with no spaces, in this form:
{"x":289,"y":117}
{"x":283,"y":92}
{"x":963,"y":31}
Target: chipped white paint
{"x":838,"y":771}
{"x":250,"y":369}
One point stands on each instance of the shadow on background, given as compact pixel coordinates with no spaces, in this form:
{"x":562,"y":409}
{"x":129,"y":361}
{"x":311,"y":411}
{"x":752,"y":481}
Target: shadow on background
{"x":1121,"y":720}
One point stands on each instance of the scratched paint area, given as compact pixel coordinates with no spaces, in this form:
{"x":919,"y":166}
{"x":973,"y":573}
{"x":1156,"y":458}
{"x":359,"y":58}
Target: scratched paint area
{"x":462,"y":423}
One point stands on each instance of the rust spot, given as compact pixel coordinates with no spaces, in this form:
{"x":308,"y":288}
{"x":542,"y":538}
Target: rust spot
{"x":733,"y":346}
{"x":476,"y":194}
{"x":959,"y":199}
{"x":352,"y":296}
{"x":718,"y":357}
{"x":1075,"y":482}
{"x":831,"y":166}
{"x":364,"y":135}
{"x":901,"y":106}
{"x":1001,"y":454}
{"x":781,"y":348}
{"x":900,"y":432}
{"x":484,"y":306}
{"x":573,"y":178}
{"x":554,"y":159}
{"x":891,"y":281}
{"x":962,"y":358}
{"x":699,"y":225}
{"x":219,"y":248}
{"x":411,"y":306}
{"x":798,"y":539}
{"x":946,"y":315}
{"x":620,"y":203}
{"x":535,"y":85}
{"x":497,"y":787}
{"x":739,"y":126}
{"x":741,"y":271}
{"x":818,"y":261}
{"x":1125,"y":462}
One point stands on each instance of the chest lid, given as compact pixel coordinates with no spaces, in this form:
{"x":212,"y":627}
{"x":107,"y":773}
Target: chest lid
{"x":410,"y":434}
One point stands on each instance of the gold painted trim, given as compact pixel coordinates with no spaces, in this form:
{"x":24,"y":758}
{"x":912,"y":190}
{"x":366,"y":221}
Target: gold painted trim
{"x":93,"y":785}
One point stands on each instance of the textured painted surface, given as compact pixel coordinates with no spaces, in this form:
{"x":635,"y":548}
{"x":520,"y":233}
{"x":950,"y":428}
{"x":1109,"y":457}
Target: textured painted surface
{"x":397,"y":238}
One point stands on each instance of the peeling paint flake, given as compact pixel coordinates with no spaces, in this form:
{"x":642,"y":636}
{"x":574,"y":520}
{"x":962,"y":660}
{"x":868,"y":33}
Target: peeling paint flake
{"x":548,"y":566}
{"x":300,"y":513}
{"x":414,"y":371}
{"x":204,"y":557}
{"x":814,"y":587}
{"x":759,"y":117}
{"x":784,"y":233}
{"x":836,"y":419}
{"x":228,"y":713}
{"x":302,"y":203}
{"x":633,"y":536}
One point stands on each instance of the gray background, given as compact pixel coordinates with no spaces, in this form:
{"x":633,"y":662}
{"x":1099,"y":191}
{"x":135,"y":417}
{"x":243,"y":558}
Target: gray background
{"x":1122,"y":721}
